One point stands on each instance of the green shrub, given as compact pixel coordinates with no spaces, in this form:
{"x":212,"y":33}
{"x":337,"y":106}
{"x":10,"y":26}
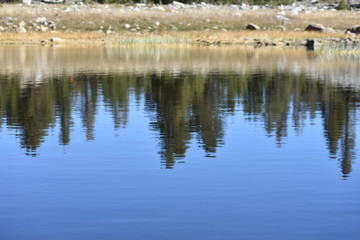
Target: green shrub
{"x":270,"y":2}
{"x":342,"y":5}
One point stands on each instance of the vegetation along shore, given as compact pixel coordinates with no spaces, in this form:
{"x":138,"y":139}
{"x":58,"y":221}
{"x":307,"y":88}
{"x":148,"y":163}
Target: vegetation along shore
{"x":179,"y":23}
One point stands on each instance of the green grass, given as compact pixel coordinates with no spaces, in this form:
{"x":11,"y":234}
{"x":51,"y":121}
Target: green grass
{"x":149,"y":40}
{"x":350,"y":48}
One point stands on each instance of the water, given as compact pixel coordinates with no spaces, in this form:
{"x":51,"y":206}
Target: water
{"x":195,"y":143}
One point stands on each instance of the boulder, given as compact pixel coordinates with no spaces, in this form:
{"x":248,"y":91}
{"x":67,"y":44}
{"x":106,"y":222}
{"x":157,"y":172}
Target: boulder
{"x":353,"y":29}
{"x":315,"y":28}
{"x":310,"y":44}
{"x":252,"y":26}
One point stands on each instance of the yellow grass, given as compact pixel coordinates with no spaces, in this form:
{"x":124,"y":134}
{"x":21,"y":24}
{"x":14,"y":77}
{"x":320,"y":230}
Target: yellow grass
{"x":225,"y":24}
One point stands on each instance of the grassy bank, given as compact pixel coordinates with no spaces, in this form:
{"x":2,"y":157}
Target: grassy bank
{"x":123,"y":25}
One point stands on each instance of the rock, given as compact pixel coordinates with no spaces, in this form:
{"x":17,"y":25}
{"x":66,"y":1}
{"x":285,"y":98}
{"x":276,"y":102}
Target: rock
{"x":353,"y":29}
{"x":41,"y":20}
{"x":178,"y":4}
{"x":159,"y":8}
{"x":244,"y":6}
{"x":258,"y":44}
{"x":127,"y":26}
{"x":52,"y":26}
{"x":350,"y":34}
{"x":2,"y":29}
{"x":329,"y":30}
{"x":52,"y":1}
{"x":26,"y":2}
{"x":279,"y":43}
{"x":315,"y":28}
{"x":56,"y":40}
{"x":252,"y":26}
{"x":72,"y":8}
{"x":282,"y":28}
{"x":282,"y":18}
{"x":22,"y":24}
{"x":43,"y":29}
{"x":9,"y":19}
{"x":21,"y":29}
{"x":310,"y":44}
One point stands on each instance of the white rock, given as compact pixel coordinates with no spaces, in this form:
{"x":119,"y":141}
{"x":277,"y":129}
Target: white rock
{"x":178,"y":4}
{"x":9,"y":19}
{"x":41,"y":20}
{"x":282,"y":18}
{"x":72,"y":8}
{"x":159,"y":8}
{"x":236,"y":7}
{"x":21,"y":30}
{"x":127,"y":26}
{"x":26,"y":2}
{"x":43,"y":29}
{"x":22,"y":24}
{"x":244,"y":6}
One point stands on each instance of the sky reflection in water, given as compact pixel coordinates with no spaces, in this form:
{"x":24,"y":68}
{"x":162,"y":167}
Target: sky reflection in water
{"x":255,"y":140}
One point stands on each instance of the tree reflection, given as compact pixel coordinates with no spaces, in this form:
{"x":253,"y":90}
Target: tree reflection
{"x":182,"y":107}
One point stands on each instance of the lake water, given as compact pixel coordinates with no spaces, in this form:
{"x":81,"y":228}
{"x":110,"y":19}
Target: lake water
{"x":167,"y":143}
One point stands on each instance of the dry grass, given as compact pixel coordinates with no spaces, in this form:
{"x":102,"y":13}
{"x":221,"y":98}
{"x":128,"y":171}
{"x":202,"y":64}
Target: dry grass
{"x":68,"y":37}
{"x":223,"y":24}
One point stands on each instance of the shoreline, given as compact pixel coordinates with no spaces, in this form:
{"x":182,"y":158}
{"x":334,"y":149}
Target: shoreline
{"x":176,"y":24}
{"x":193,"y":38}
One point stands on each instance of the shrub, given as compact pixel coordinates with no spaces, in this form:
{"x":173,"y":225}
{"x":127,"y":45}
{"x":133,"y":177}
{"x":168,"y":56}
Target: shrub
{"x":342,"y":5}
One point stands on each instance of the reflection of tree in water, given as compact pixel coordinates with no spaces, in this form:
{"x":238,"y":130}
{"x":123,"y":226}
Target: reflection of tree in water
{"x":64,"y":102}
{"x":339,"y":122}
{"x":183,"y":107}
{"x":29,"y":110}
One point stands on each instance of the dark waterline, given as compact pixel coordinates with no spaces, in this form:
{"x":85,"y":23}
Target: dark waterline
{"x":178,"y":143}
